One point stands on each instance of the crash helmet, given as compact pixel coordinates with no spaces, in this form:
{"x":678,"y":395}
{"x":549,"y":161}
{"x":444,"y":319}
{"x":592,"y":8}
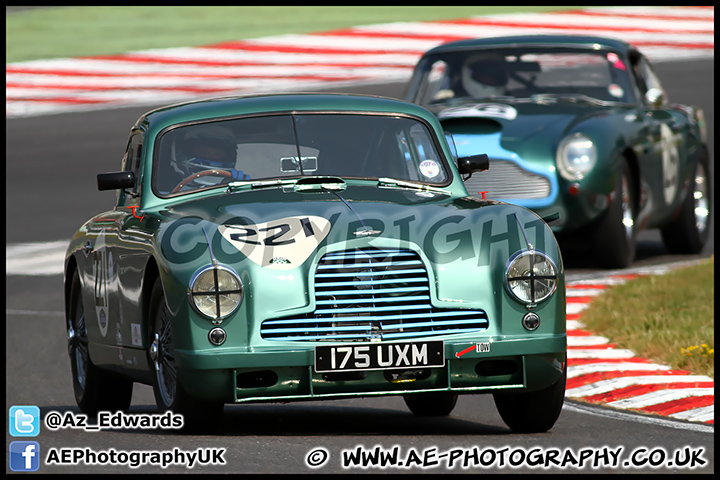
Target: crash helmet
{"x":484,"y":75}
{"x":208,"y":147}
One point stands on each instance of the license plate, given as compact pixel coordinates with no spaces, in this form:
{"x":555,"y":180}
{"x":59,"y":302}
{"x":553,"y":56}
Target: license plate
{"x":379,"y":356}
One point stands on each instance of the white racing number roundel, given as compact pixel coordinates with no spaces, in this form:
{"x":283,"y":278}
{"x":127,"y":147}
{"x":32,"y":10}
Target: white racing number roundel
{"x":487,"y":110}
{"x":429,"y":169}
{"x":281,"y":244}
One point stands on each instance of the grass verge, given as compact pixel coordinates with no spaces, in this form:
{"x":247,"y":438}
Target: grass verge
{"x":79,"y":31}
{"x":665,"y":318}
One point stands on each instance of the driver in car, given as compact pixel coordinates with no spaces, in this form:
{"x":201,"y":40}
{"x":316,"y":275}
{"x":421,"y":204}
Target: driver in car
{"x":485,"y":75}
{"x":211,"y":156}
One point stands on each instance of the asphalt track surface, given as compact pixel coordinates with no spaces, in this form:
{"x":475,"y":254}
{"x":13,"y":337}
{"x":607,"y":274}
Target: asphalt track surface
{"x":51,"y":190}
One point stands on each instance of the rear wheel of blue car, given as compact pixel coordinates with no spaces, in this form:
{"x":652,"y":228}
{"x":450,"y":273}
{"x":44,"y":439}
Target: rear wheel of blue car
{"x":95,"y":389}
{"x":689,"y":230}
{"x":431,"y":404}
{"x":532,"y":412}
{"x":615,"y":236}
{"x":169,"y":393}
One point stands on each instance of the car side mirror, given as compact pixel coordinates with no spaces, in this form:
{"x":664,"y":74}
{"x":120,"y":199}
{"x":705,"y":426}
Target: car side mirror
{"x":115,"y":180}
{"x":473,"y":163}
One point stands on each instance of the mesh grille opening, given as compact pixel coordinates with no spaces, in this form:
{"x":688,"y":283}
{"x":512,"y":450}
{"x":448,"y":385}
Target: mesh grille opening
{"x":368,"y":294}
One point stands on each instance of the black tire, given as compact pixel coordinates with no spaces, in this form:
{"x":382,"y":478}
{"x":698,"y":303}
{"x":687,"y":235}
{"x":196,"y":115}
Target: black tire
{"x":431,"y":404}
{"x":198,"y":415}
{"x":688,"y":232}
{"x":615,"y":236}
{"x":532,"y":412}
{"x":95,"y":389}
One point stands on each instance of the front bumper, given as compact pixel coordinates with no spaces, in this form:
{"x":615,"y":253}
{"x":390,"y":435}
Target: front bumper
{"x":284,"y":374}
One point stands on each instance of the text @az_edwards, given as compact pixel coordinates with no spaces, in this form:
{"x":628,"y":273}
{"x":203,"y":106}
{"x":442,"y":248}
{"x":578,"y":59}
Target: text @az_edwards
{"x":114,"y":420}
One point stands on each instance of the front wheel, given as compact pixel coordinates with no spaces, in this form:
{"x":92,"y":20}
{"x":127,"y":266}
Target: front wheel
{"x":614,"y":237}
{"x":532,"y":412}
{"x":95,"y":389}
{"x":169,"y":393}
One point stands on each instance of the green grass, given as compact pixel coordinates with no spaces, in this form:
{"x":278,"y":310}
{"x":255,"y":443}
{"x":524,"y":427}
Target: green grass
{"x":78,"y":31}
{"x":665,"y":318}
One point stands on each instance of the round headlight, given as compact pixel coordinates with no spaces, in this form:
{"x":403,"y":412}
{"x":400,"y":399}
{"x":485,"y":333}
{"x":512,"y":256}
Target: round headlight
{"x":215,"y":292}
{"x":531,"y":276}
{"x":576,"y":156}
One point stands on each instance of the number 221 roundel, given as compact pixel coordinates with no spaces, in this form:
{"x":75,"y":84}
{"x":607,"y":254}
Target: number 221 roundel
{"x":281,"y":244}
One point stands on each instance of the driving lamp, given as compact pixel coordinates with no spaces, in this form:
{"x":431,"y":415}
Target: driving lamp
{"x":531,"y":277}
{"x":215,"y":292}
{"x":576,"y":156}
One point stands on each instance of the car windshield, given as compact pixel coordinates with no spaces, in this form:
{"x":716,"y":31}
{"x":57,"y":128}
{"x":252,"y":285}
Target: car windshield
{"x":209,"y":154}
{"x":521,"y":72}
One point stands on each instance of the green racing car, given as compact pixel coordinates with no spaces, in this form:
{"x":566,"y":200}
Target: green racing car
{"x":309,"y":247}
{"x":580,"y":130}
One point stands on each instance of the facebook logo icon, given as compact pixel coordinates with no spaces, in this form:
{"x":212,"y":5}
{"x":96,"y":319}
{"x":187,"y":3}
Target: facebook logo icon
{"x":24,"y":421}
{"x":24,"y":456}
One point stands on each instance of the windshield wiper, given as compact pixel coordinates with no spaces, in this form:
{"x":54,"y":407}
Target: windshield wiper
{"x":256,"y":184}
{"x":319,"y":184}
{"x":566,"y":97}
{"x":465,"y":100}
{"x":305,"y":184}
{"x":301,"y":184}
{"x":394,"y":183}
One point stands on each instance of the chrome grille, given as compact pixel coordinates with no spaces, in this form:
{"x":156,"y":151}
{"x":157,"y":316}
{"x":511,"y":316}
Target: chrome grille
{"x":507,"y":180}
{"x":368,"y":294}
